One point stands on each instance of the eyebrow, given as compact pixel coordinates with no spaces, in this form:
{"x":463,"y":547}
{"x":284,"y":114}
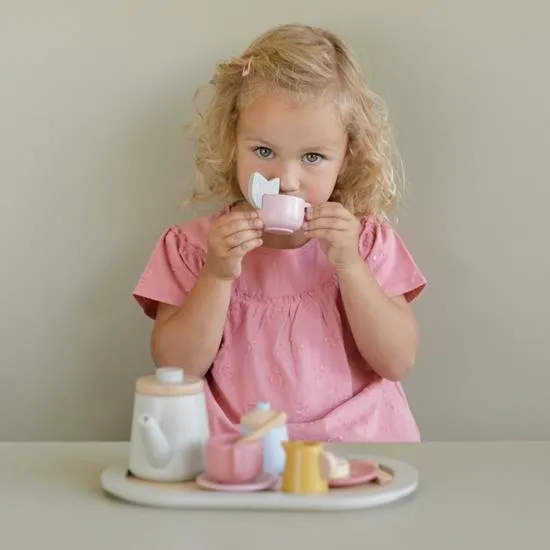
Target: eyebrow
{"x":260,"y":140}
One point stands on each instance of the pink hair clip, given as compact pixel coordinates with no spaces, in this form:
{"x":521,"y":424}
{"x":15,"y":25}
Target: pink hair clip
{"x":246,"y":68}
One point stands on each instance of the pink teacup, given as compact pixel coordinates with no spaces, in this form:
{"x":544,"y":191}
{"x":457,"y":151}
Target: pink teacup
{"x":227,"y":461}
{"x":282,"y":214}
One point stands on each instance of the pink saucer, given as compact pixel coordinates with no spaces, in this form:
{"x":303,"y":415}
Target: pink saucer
{"x":265,"y":481}
{"x":360,"y":471}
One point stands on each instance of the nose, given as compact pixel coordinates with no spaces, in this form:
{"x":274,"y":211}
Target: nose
{"x":290,"y":183}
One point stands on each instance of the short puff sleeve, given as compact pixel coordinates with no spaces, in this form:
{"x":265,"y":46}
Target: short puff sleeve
{"x":389,"y":261}
{"x":170,"y":273}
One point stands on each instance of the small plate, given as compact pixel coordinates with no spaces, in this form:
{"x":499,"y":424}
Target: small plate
{"x":360,"y":471}
{"x":265,"y":481}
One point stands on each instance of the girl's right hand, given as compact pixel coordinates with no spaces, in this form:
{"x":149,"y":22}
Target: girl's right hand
{"x":231,"y":237}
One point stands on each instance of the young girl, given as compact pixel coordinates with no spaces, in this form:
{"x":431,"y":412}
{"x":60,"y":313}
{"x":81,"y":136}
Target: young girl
{"x":316,"y":323}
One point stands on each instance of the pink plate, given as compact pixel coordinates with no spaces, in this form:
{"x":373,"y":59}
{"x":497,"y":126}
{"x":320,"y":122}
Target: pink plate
{"x":360,"y":471}
{"x":265,"y":481}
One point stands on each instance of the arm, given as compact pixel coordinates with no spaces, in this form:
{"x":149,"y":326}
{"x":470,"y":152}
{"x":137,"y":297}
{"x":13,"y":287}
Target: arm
{"x":384,"y":329}
{"x":190,"y":337}
{"x":188,"y":332}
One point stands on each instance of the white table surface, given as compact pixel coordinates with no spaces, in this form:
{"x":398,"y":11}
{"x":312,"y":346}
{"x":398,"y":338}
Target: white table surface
{"x":471,"y":495}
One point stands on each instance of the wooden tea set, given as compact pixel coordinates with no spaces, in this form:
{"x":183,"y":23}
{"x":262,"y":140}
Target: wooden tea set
{"x":174,"y":461}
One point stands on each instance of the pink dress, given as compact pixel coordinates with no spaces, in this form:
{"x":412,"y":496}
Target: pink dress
{"x":286,"y":340}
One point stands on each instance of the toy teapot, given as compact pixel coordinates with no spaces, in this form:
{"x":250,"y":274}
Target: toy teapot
{"x":169,"y":427}
{"x":273,"y":452}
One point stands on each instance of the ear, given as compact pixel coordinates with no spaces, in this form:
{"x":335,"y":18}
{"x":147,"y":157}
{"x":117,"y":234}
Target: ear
{"x":347,"y":159}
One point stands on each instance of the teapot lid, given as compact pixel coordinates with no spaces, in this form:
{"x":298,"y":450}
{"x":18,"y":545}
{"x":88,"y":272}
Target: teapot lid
{"x":169,"y":381}
{"x":259,"y":416}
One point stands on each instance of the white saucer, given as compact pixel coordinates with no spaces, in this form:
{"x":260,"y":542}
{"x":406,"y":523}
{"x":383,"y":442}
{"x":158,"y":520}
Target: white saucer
{"x":265,"y":481}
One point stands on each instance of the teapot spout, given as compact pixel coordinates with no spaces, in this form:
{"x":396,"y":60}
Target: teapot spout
{"x":157,"y":449}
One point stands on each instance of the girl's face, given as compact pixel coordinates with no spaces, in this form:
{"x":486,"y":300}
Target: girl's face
{"x":302,"y":145}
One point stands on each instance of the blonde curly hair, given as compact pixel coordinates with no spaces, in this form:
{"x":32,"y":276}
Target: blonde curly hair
{"x":307,"y":62}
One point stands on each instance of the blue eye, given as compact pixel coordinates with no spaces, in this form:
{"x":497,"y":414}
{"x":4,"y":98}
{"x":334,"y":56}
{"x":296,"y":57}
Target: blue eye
{"x":263,"y":152}
{"x":313,"y":158}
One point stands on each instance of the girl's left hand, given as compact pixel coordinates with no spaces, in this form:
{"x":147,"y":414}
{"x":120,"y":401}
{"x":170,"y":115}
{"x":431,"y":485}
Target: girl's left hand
{"x":337,"y":230}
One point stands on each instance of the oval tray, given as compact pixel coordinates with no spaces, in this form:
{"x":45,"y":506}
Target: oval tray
{"x":116,"y":481}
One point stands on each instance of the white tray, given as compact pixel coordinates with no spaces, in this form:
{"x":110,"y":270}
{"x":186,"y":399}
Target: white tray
{"x":115,"y":481}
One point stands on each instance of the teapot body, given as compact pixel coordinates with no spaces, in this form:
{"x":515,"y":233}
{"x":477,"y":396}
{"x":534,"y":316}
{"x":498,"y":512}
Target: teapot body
{"x":169,"y":430}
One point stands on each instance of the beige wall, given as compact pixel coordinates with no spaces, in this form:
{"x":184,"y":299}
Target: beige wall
{"x":93,"y":163}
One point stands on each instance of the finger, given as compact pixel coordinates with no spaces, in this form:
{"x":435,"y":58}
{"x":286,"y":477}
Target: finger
{"x":239,"y":215}
{"x":246,"y":246}
{"x":237,"y":239}
{"x":329,"y":235}
{"x":328,"y":209}
{"x":235,"y":226}
{"x":333,"y":224}
{"x":234,"y":217}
